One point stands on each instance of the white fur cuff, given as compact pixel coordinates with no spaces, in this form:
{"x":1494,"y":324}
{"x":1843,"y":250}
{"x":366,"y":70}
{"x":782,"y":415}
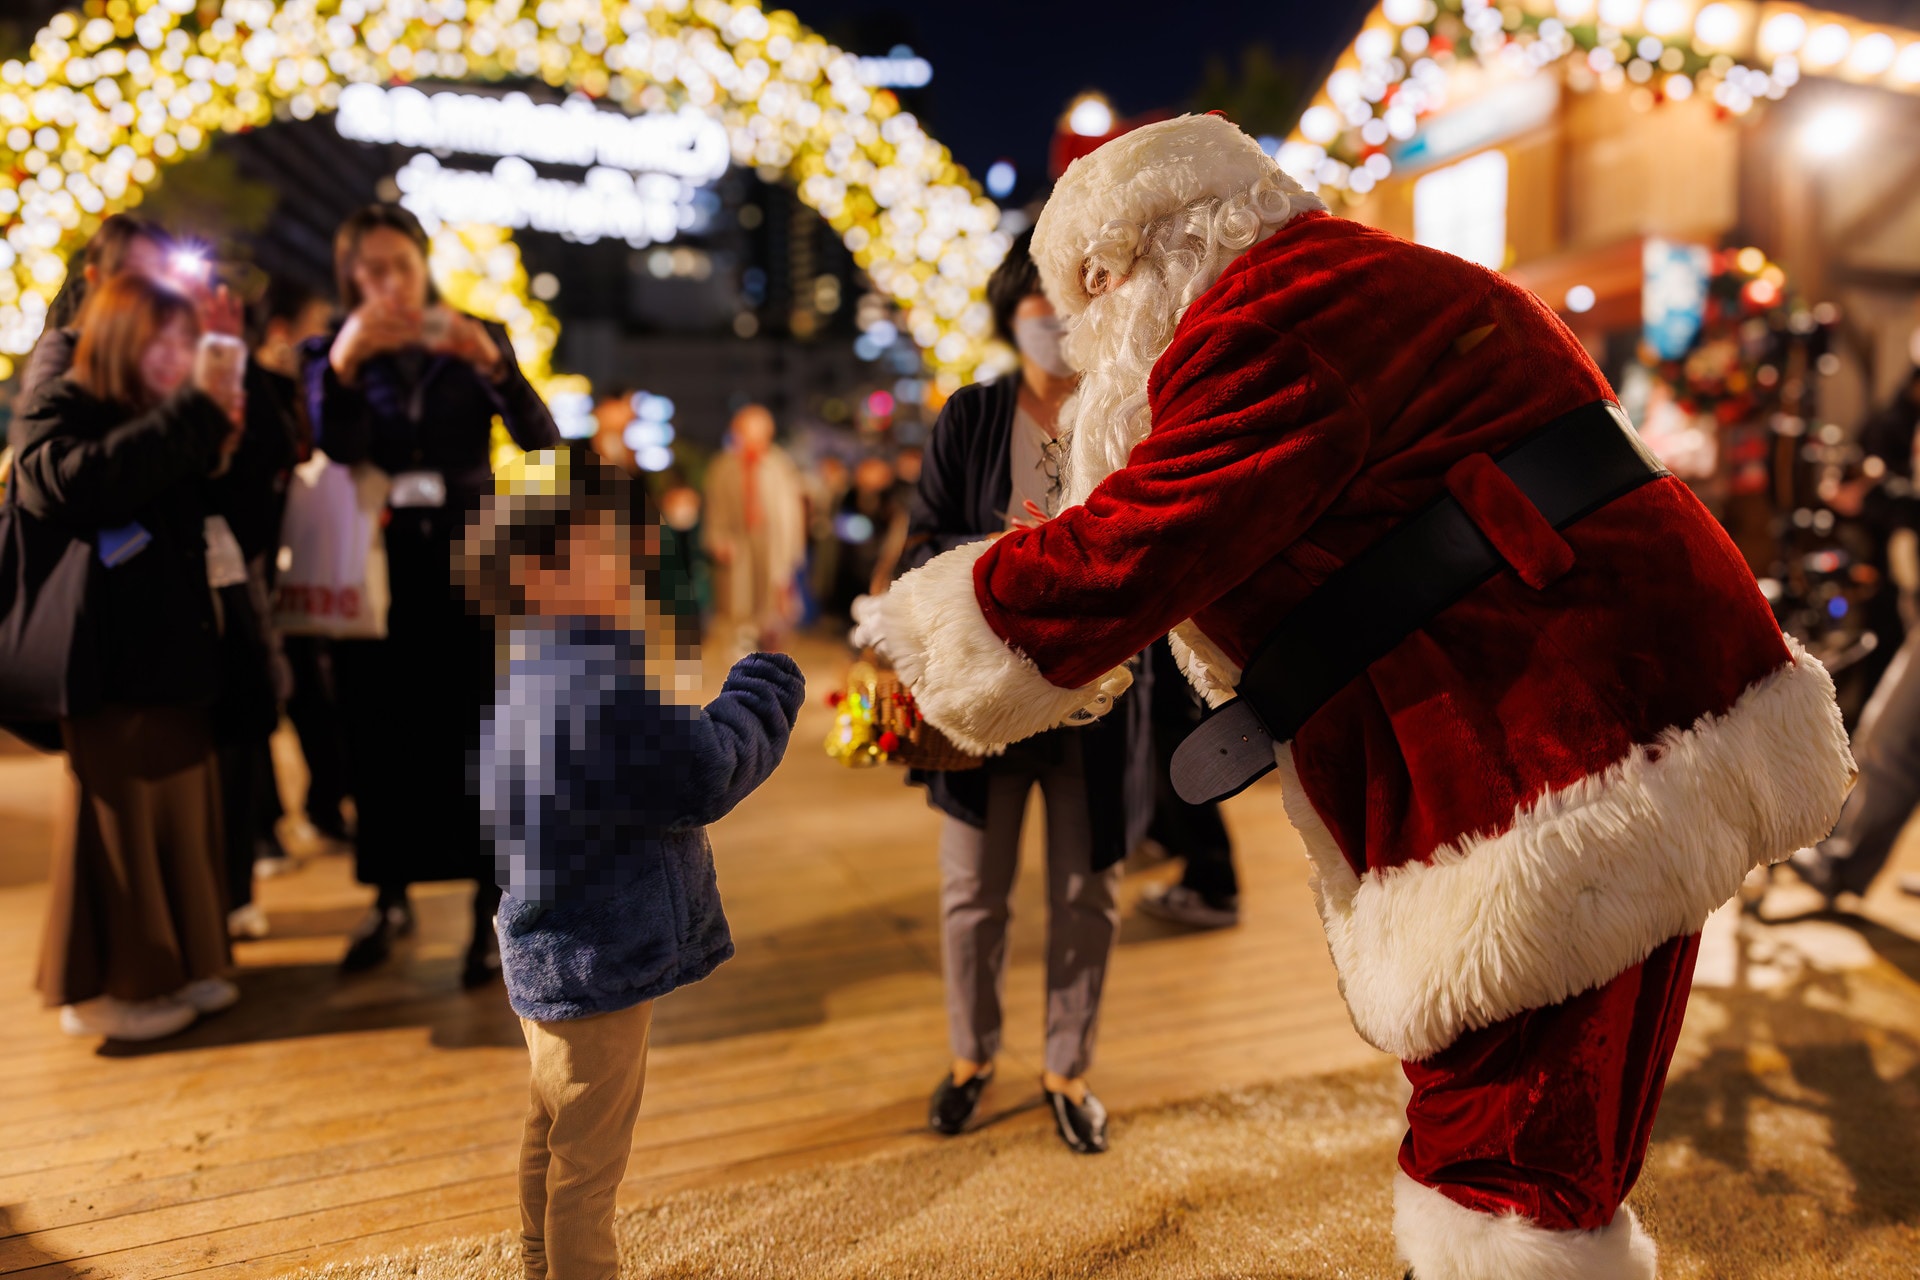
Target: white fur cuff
{"x":969,"y":683}
{"x":1442,"y":1240}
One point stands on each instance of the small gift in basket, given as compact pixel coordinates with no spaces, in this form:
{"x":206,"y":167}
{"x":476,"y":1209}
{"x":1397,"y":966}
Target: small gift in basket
{"x":877,"y":722}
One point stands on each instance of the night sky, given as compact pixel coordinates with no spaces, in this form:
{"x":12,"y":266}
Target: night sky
{"x":1003,"y":69}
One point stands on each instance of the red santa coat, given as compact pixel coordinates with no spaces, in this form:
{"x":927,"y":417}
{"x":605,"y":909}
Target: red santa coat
{"x":1543,"y":783}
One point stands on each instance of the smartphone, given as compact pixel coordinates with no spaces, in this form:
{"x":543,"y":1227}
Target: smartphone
{"x":220,"y":367}
{"x":436,"y":327}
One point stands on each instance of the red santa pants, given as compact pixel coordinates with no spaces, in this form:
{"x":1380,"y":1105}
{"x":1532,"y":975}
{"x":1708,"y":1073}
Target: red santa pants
{"x":1547,"y":1114}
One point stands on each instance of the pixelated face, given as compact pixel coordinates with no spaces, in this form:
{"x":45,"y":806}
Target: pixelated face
{"x":592,"y":573}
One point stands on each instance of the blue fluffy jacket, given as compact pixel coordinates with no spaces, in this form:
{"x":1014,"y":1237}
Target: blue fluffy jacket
{"x":596,"y":793}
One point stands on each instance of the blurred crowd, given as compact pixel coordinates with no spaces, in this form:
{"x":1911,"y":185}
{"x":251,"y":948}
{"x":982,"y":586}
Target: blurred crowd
{"x":167,"y":436}
{"x":169,"y":446}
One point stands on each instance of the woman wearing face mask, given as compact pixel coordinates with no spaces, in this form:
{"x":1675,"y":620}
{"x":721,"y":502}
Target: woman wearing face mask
{"x":414,"y":387}
{"x":993,"y":462}
{"x":118,"y":452}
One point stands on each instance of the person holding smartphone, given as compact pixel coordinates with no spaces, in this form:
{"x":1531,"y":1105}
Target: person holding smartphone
{"x":118,"y":452}
{"x":413,"y":387}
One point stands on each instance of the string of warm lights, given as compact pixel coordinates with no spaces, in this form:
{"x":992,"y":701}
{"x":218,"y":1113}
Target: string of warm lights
{"x":111,"y":94}
{"x":1413,"y":57}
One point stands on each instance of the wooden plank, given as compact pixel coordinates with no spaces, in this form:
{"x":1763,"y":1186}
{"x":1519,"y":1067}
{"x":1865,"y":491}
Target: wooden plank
{"x":330,"y":1117}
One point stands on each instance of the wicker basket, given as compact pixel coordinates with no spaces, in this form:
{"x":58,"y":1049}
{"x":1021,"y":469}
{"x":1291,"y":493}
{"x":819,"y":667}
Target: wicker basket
{"x":921,"y":745}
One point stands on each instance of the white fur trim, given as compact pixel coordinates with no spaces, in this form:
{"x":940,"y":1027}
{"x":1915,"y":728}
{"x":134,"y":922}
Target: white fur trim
{"x":968,"y":682}
{"x":1587,"y":880}
{"x":1210,"y":671}
{"x":1145,"y":175}
{"x":1442,"y":1240}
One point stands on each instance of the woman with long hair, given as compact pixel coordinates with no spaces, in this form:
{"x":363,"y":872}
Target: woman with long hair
{"x":118,"y":452}
{"x":413,"y":387}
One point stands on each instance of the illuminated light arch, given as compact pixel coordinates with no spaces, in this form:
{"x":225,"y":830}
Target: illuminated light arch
{"x":1411,"y":58}
{"x":111,"y":94}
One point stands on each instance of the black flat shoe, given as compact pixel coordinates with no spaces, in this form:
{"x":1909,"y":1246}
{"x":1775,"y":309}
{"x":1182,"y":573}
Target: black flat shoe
{"x":1082,"y":1125}
{"x":952,"y":1104}
{"x":373,"y":937}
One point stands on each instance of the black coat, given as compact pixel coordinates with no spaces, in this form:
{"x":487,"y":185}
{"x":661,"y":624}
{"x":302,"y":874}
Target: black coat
{"x":438,"y":422}
{"x":411,"y":704}
{"x":52,"y":356}
{"x":966,"y":482}
{"x":147,"y":635}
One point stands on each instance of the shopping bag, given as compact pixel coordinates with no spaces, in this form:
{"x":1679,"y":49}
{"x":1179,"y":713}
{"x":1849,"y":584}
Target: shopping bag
{"x":333,"y":562}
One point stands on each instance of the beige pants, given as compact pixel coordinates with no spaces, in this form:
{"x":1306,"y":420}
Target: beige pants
{"x":587,"y":1078}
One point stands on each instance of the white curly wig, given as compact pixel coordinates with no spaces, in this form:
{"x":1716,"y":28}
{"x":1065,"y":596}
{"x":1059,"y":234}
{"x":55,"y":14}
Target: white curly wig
{"x":1132,"y":234}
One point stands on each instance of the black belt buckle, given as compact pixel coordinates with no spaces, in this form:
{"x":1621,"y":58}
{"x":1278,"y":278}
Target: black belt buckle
{"x":1224,"y":755}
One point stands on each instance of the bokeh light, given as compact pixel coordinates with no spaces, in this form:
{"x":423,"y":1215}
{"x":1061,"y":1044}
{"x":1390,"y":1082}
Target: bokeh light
{"x":106,"y":98}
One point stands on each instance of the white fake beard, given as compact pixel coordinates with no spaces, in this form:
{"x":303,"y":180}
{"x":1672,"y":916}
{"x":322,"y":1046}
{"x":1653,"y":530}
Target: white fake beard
{"x":1116,"y":340}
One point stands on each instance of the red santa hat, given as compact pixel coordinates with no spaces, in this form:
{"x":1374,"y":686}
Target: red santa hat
{"x":1107,"y":203}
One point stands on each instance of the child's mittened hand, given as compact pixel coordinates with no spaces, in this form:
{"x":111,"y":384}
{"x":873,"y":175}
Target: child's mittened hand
{"x":776,"y":672}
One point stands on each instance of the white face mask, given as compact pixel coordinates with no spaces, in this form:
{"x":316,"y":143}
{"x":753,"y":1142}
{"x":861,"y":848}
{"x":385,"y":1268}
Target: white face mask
{"x":1038,"y":338}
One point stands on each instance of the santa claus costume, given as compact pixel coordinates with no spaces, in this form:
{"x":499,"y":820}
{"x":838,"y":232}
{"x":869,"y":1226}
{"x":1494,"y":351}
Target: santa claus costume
{"x":1520,"y":816}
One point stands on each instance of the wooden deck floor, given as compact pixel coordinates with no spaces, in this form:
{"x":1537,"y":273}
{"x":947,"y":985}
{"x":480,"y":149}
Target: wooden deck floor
{"x":328,"y":1117}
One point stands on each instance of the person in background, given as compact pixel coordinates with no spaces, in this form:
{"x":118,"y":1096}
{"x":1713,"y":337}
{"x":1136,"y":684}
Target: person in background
{"x":290,"y":314}
{"x":612,"y":415}
{"x":250,"y":496}
{"x":681,"y":560}
{"x":827,"y":482}
{"x":599,"y":773}
{"x":1886,"y":743}
{"x":755,"y":533}
{"x":871,"y":528}
{"x":294,"y":315}
{"x":908,"y":459}
{"x":413,"y":387}
{"x":993,"y":463}
{"x":126,"y":245}
{"x":118,"y":452}
{"x":1207,"y":895}
{"x":123,"y":245}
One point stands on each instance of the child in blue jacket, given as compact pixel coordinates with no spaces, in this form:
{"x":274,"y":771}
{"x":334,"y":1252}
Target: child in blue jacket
{"x":597,"y":776}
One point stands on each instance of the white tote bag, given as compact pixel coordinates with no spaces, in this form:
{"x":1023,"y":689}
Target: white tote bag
{"x":333,"y":562}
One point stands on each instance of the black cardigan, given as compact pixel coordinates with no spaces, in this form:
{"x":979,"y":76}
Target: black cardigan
{"x":146,"y":636}
{"x":439,"y":422}
{"x":966,"y":482}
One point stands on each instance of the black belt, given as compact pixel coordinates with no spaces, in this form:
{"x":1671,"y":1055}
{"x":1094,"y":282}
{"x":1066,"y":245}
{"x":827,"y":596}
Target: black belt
{"x":1567,"y":469}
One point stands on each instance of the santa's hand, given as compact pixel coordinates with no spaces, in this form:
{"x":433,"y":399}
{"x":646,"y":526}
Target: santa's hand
{"x":1111,"y":686}
{"x":867,"y":624}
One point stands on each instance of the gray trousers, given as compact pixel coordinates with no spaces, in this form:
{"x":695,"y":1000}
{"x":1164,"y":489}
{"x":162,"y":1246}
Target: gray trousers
{"x":1887,"y":748}
{"x":977,"y":871}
